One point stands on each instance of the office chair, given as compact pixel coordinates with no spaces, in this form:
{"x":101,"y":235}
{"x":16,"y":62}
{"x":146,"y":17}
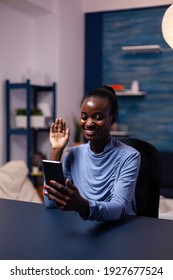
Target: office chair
{"x":148,"y":183}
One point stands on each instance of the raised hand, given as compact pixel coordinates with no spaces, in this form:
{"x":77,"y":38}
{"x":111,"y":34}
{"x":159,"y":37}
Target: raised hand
{"x":59,"y":134}
{"x":59,"y":137}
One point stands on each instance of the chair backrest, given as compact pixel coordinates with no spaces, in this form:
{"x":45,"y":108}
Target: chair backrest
{"x":149,"y":178}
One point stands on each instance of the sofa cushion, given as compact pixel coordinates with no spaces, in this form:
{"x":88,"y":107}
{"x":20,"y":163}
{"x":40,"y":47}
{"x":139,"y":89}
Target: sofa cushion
{"x":15,"y":184}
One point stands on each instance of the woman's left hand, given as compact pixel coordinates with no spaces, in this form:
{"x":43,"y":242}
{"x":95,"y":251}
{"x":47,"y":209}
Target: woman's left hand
{"x":67,"y":197}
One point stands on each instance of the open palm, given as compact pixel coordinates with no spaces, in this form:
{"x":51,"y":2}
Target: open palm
{"x":59,"y":134}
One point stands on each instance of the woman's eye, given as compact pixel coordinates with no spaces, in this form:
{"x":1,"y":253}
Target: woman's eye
{"x":83,"y":117}
{"x":98,"y":117}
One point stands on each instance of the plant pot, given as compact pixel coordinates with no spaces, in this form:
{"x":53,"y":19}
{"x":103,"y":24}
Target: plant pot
{"x":37,"y":121}
{"x":21,"y":121}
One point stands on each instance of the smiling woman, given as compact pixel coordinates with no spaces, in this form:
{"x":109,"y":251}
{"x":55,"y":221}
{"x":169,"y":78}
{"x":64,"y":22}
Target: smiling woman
{"x":101,"y":174}
{"x":99,"y":111}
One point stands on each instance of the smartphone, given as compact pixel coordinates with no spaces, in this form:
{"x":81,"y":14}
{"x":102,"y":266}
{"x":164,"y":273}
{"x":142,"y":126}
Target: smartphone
{"x":53,"y":171}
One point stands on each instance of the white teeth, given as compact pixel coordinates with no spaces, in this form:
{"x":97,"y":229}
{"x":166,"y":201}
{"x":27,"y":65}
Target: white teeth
{"x":89,"y":132}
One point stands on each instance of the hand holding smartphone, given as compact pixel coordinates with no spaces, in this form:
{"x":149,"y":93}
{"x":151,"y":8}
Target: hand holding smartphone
{"x":53,"y":171}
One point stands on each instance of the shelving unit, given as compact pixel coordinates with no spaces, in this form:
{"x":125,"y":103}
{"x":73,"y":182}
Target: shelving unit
{"x":31,"y":93}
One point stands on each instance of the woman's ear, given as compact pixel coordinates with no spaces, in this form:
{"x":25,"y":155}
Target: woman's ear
{"x":114,"y":119}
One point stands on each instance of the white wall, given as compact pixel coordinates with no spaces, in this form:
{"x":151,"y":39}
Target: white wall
{"x":52,"y":43}
{"x":59,"y":40}
{"x":71,"y":58}
{"x":59,"y":45}
{"x":16,"y":40}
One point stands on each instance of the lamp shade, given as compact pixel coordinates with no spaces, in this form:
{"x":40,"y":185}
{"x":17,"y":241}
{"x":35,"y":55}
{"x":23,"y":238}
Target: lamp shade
{"x":167,"y":26}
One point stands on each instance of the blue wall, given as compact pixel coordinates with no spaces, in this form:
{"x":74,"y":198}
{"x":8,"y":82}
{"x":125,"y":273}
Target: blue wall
{"x":150,"y":117}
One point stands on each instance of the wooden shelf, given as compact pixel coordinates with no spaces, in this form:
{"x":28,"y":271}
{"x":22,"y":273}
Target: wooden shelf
{"x":119,"y":133}
{"x":142,"y":49}
{"x":130,"y":93}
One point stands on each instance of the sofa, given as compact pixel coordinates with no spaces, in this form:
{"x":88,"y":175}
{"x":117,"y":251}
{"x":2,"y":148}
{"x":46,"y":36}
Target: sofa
{"x":15,"y":183}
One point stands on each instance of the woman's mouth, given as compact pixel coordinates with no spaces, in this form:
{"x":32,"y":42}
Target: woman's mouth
{"x":90,"y":132}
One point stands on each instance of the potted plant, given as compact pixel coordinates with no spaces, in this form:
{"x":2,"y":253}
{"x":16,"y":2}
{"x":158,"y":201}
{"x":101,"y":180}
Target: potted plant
{"x":37,"y":118}
{"x":21,"y":120}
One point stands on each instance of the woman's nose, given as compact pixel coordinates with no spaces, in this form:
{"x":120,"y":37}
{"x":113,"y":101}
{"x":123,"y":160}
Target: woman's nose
{"x":89,"y":122}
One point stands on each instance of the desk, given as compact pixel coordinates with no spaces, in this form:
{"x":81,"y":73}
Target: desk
{"x":31,"y":231}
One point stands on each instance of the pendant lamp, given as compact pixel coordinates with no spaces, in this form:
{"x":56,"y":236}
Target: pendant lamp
{"x":167,"y":26}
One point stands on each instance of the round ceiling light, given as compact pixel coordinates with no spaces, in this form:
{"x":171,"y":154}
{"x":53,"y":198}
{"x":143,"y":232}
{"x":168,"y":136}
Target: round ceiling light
{"x":167,"y":26}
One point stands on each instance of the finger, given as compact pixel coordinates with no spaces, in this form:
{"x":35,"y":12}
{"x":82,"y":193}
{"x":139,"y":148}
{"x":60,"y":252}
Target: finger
{"x":64,"y":127}
{"x":52,"y":127}
{"x":60,"y":188}
{"x":57,"y":124}
{"x":70,"y":185}
{"x":58,"y":120}
{"x":67,"y":133}
{"x":60,"y":203}
{"x":56,"y":193}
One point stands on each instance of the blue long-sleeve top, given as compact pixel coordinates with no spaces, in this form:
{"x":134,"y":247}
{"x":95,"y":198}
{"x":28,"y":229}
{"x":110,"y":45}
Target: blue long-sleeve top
{"x":107,"y":180}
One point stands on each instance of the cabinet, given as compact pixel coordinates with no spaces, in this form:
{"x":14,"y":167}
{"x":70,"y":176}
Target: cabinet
{"x":31,"y":96}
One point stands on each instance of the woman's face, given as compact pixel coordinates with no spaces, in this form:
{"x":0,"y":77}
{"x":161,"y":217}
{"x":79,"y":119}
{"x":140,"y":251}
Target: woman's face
{"x":96,"y":119}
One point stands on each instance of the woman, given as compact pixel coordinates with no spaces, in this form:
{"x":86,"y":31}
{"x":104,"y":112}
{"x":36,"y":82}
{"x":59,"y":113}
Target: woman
{"x":101,"y":174}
